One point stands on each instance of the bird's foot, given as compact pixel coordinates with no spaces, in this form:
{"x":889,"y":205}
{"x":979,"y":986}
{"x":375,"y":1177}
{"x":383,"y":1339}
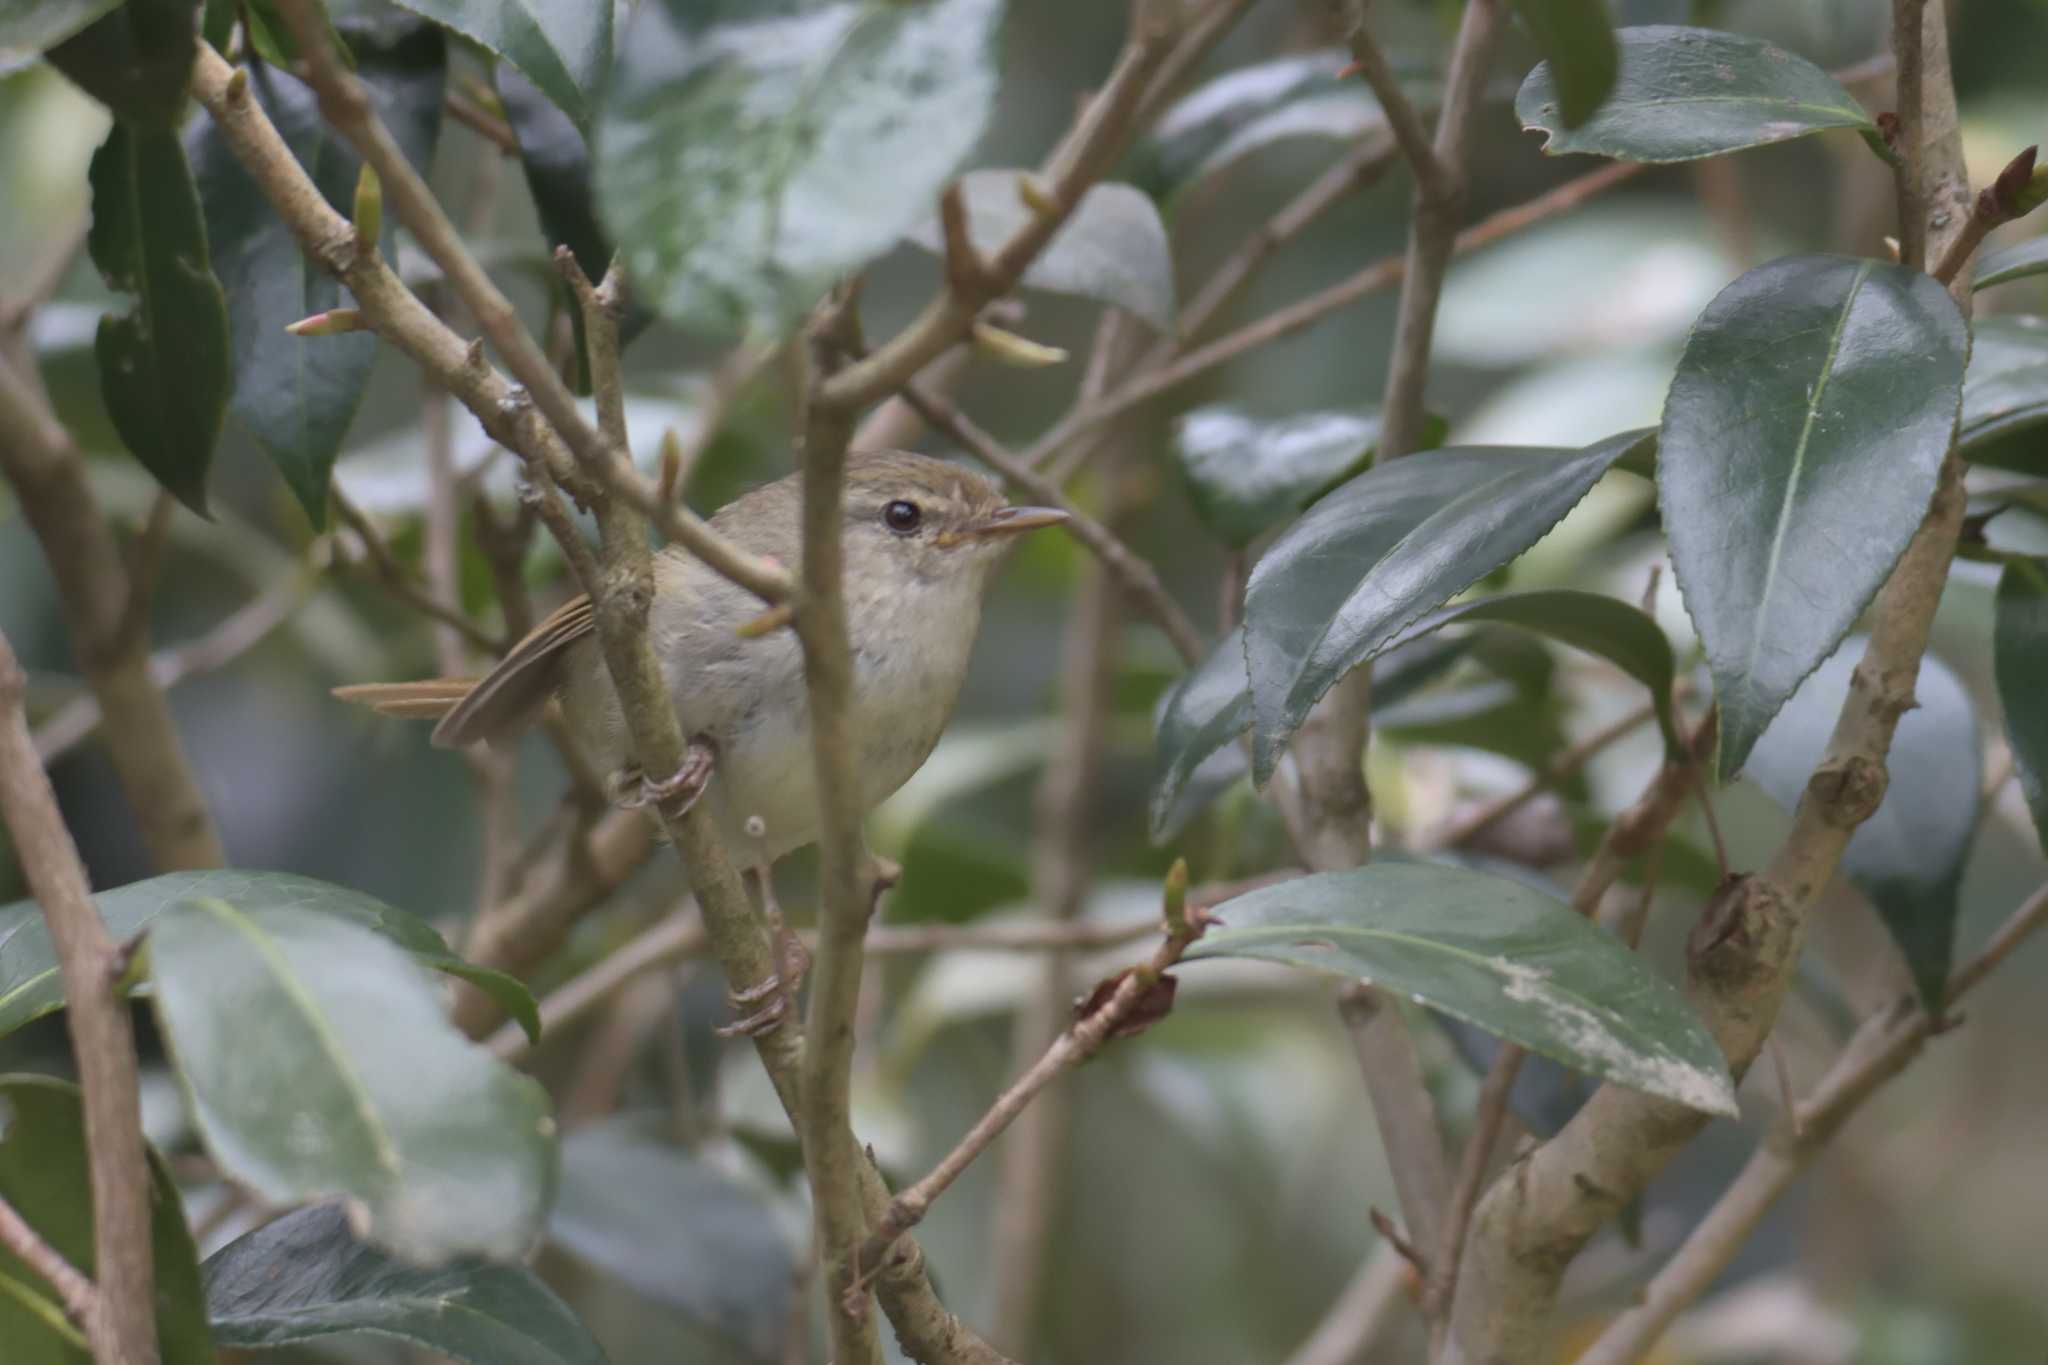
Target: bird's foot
{"x":674,"y":794}
{"x":772,"y":999}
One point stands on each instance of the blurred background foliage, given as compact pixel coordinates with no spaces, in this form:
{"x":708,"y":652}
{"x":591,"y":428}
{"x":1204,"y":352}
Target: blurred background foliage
{"x":1218,"y":1173}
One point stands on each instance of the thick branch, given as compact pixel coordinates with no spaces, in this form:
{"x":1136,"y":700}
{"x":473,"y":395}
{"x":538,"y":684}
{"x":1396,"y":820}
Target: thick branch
{"x":121,"y":1322}
{"x":47,"y":472}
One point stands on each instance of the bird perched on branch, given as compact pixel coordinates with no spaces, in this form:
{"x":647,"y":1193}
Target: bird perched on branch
{"x":922,"y":539}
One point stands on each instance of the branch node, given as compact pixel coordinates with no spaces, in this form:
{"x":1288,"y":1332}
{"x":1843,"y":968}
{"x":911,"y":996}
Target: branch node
{"x":1848,"y":790}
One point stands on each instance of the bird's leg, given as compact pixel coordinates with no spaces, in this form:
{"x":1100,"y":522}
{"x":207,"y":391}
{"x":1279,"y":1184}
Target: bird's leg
{"x":673,"y":795}
{"x":773,"y":998}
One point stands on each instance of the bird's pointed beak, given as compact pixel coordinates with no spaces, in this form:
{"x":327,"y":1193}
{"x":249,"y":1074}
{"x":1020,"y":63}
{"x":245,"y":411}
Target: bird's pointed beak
{"x":1015,"y":520}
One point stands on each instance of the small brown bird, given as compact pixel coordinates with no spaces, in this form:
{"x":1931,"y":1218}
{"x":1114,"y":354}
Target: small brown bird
{"x":922,"y":540}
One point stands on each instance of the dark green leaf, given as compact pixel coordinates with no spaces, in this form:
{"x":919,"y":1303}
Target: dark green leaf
{"x":1614,"y":630}
{"x":1579,"y":51}
{"x":305,"y":1276}
{"x":1253,"y":107}
{"x":320,"y":1062}
{"x":2020,"y":647}
{"x":43,"y":1175}
{"x":1685,"y":93}
{"x":2005,"y":395}
{"x":2015,"y":262}
{"x":1908,"y":857}
{"x":1804,"y":433}
{"x":1112,"y":248}
{"x":30,"y":987}
{"x":677,"y":1230}
{"x":563,"y":46}
{"x":753,"y":154}
{"x":1381,"y":550}
{"x":136,"y":60}
{"x":163,"y":366}
{"x":1247,"y":474}
{"x":1496,"y":953}
{"x":30,"y":27}
{"x":297,"y":395}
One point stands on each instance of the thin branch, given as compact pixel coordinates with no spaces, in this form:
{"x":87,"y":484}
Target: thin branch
{"x":121,"y":1322}
{"x":47,"y":471}
{"x":1140,"y":993}
{"x":1363,"y":1311}
{"x":1434,"y":176}
{"x":1401,"y":1106}
{"x":1997,"y":204}
{"x":1883,"y":1047}
{"x":1909,"y":21}
{"x":1088,"y":151}
{"x":1432,"y":232}
{"x":235,"y":636}
{"x":1560,"y":768}
{"x":79,"y":1296}
{"x":399,"y":582}
{"x":849,"y":883}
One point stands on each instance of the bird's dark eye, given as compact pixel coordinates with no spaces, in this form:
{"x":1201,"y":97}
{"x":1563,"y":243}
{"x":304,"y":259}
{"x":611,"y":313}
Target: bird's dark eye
{"x":902,"y":517}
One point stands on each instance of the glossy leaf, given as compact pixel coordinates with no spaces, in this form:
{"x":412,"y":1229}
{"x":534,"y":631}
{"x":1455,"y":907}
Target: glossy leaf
{"x":31,"y":988}
{"x":2005,"y":395}
{"x":1577,"y":42}
{"x":749,"y":158}
{"x":2015,"y":262}
{"x":1112,"y":248}
{"x":1685,"y":93}
{"x":43,"y":1175}
{"x":1802,"y":438}
{"x":320,"y":1062}
{"x":306,"y":1276}
{"x":563,"y":46}
{"x":1199,"y":718}
{"x":29,"y":27}
{"x":1494,"y":952}
{"x":164,"y":364}
{"x":2020,"y":655}
{"x":1249,"y":109}
{"x":1247,"y":474}
{"x":676,"y":1230}
{"x":1616,"y":631}
{"x":1375,"y":554}
{"x":135,"y":59}
{"x":298,"y":395}
{"x":1908,"y":857}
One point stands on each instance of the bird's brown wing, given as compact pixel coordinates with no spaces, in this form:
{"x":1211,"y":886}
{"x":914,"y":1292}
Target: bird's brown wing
{"x":501,"y":703}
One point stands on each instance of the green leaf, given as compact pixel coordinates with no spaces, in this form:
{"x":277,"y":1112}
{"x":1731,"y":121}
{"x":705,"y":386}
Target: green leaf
{"x":1686,"y":93}
{"x":1247,"y":474}
{"x":1195,"y":757}
{"x":319,"y":1062}
{"x":1381,"y":550}
{"x":1496,"y":953}
{"x":31,"y":988}
{"x":298,"y":395}
{"x":1577,"y":42}
{"x":306,"y":1276}
{"x":1252,"y":108}
{"x":677,"y":1230}
{"x":1802,"y":439}
{"x":1908,"y":857}
{"x":1616,"y":631}
{"x":30,"y":27}
{"x":1112,"y":248}
{"x":2015,"y":262}
{"x":2005,"y":395}
{"x":135,"y":59}
{"x":563,"y":46}
{"x":754,"y":153}
{"x":2020,"y":654}
{"x":164,"y":366}
{"x":43,"y":1175}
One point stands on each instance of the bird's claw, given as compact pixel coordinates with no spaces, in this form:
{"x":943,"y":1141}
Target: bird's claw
{"x":770,"y":1000}
{"x":676,"y":793}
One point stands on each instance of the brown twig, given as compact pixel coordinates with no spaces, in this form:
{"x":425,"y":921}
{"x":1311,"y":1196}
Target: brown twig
{"x":1402,"y":1108}
{"x":1559,"y":769}
{"x":482,"y":122}
{"x":2003,"y":200}
{"x":79,"y":1296}
{"x":1138,"y":992}
{"x":1436,"y":176}
{"x":120,"y":1321}
{"x":47,"y":471}
{"x":399,"y":582}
